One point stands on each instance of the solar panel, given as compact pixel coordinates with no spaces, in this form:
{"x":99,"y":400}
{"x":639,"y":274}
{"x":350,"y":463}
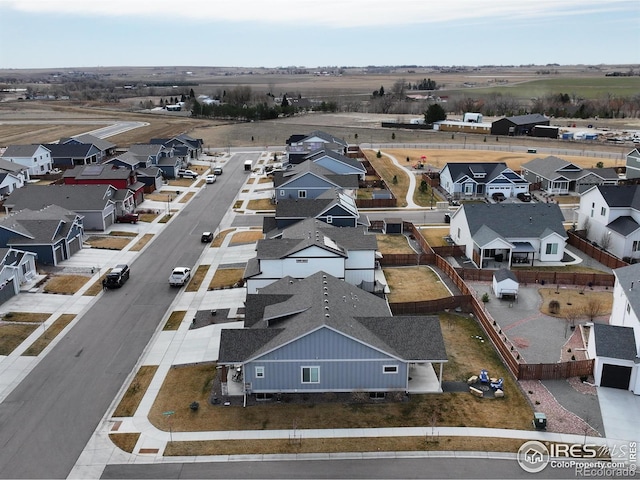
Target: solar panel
{"x":93,"y":170}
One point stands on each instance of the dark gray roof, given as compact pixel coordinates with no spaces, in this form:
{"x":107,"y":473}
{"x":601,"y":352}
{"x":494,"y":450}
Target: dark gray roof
{"x":71,"y":150}
{"x":351,"y":238}
{"x":327,"y":137}
{"x":624,"y":225}
{"x":308,"y":167}
{"x":504,"y":274}
{"x":77,"y":198}
{"x":11,"y":167}
{"x":520,"y":220}
{"x":614,"y":341}
{"x":552,"y":167}
{"x":104,"y":171}
{"x":605,"y":173}
{"x":527,"y":119}
{"x":491,"y":170}
{"x":352,"y":162}
{"x":147,"y":149}
{"x":100,"y":143}
{"x":45,"y":226}
{"x":21,"y":150}
{"x":323,"y":301}
{"x":621,"y":195}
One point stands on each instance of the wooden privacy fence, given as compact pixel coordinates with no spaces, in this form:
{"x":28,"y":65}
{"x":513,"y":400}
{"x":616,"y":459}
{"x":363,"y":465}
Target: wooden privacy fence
{"x":555,"y":371}
{"x":551,"y":278}
{"x":406,"y":259}
{"x":594,"y":252}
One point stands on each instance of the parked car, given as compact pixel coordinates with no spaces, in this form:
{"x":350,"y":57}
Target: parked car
{"x":127,"y":218}
{"x":217,"y":170}
{"x":498,"y":197}
{"x":187,"y":173}
{"x":524,"y":197}
{"x":179,"y":276}
{"x":211,"y":178}
{"x":117,"y":276}
{"x":206,"y":237}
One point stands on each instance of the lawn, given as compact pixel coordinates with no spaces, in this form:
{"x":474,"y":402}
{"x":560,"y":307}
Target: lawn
{"x":217,"y":242}
{"x":414,"y":284}
{"x":226,"y":278}
{"x":196,"y":278}
{"x":138,"y":387}
{"x":387,"y":170}
{"x":262,"y":204}
{"x":393,"y":243}
{"x":111,"y":241}
{"x":583,"y":302}
{"x":174,"y":320}
{"x":139,"y":245}
{"x":435,"y":235}
{"x":250,"y":236}
{"x":65,"y":284}
{"x":467,"y":355}
{"x":15,"y":327}
{"x":49,"y":334}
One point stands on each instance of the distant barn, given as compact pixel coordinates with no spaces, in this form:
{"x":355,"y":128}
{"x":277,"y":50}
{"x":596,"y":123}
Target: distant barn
{"x":518,"y":125}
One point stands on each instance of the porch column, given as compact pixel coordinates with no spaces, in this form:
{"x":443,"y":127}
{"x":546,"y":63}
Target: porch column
{"x":440,"y":377}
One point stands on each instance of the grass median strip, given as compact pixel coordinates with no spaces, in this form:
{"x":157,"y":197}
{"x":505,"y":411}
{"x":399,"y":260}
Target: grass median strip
{"x":133,"y":396}
{"x":174,"y":320}
{"x":125,"y":441}
{"x":49,"y":335}
{"x":339,"y":445}
{"x":197,"y":278}
{"x":226,"y":278}
{"x":65,"y":284}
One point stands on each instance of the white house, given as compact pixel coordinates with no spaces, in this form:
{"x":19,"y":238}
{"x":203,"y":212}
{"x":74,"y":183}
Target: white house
{"x":310,"y":246}
{"x":35,"y":157}
{"x":610,"y":215}
{"x":16,"y":268}
{"x":509,"y":232}
{"x":614,"y":347}
{"x":633,"y":164}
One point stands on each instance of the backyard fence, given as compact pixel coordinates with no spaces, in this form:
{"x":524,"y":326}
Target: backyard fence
{"x":555,"y":371}
{"x":594,"y":252}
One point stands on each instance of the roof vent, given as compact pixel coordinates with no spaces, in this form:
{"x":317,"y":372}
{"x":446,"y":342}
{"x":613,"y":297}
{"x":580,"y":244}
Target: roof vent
{"x":326,"y":308}
{"x":326,"y":294}
{"x":326,"y":315}
{"x":324,"y":282}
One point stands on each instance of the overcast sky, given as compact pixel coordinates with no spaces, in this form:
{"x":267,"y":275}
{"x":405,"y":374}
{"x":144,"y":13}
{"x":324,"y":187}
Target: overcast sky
{"x":313,"y":33}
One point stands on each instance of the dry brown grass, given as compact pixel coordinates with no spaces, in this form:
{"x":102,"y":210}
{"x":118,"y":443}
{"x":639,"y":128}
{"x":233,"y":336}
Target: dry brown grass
{"x":185,"y":198}
{"x":108,"y":242}
{"x":196,"y":278}
{"x":12,"y":335}
{"x":238,"y":204}
{"x":393,"y":243}
{"x":439,"y":158}
{"x":571,"y":299}
{"x":96,"y":287}
{"x":435,"y":236}
{"x":133,"y":396}
{"x":125,"y":441}
{"x":160,"y":196}
{"x":338,"y":445}
{"x":385,"y":167}
{"x":414,"y":284}
{"x":47,"y":337}
{"x":217,"y":242}
{"x":265,"y":180}
{"x":174,"y":320}
{"x":148,"y":217}
{"x":120,"y":233}
{"x":65,"y":284}
{"x":25,"y":317}
{"x":226,"y":277}
{"x":139,"y":245}
{"x":181,"y":182}
{"x":261,"y":204}
{"x":248,"y":236}
{"x":466,"y":355}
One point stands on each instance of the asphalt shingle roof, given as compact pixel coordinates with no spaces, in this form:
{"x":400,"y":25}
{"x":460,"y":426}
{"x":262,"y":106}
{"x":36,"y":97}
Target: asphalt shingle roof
{"x":618,"y":196}
{"x":614,"y":341}
{"x":77,"y":198}
{"x":21,"y":150}
{"x":629,"y":279}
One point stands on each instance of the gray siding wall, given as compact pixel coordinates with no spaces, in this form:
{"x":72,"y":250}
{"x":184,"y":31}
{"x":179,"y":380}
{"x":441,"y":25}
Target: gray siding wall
{"x":345,"y":365}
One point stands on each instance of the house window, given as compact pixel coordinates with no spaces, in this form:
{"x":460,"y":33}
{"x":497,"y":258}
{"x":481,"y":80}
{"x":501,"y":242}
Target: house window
{"x":259,"y":372}
{"x":282,"y":193}
{"x":329,"y":219}
{"x":458,"y":232}
{"x":310,"y":374}
{"x":628,"y":308}
{"x":636,"y":245}
{"x":603,"y":211}
{"x":302,"y":260}
{"x":302,"y":194}
{"x":552,"y":248}
{"x":389,"y":369}
{"x":25,"y":268}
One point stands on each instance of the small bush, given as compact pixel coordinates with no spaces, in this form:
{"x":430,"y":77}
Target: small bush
{"x":554,"y":307}
{"x":378,"y":155}
{"x":485,"y":297}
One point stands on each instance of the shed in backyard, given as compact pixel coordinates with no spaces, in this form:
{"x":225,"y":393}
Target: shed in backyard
{"x":505,"y":283}
{"x":392,"y":225}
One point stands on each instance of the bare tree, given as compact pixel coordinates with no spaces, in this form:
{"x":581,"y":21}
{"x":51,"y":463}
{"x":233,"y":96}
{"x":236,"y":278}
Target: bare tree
{"x":586,"y":226}
{"x":571,"y":316}
{"x":605,"y":240}
{"x":593,"y":309}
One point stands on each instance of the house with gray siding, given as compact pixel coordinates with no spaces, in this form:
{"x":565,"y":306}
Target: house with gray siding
{"x":633,"y":164}
{"x":95,"y":203}
{"x":36,"y":158}
{"x":310,"y":180}
{"x":337,"y":163}
{"x":68,"y":155}
{"x":105,"y":147}
{"x":473,"y":179}
{"x":321,"y":334}
{"x":53,"y":233}
{"x":299,"y":146}
{"x":310,"y":246}
{"x":332,"y":207}
{"x":560,"y":177}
